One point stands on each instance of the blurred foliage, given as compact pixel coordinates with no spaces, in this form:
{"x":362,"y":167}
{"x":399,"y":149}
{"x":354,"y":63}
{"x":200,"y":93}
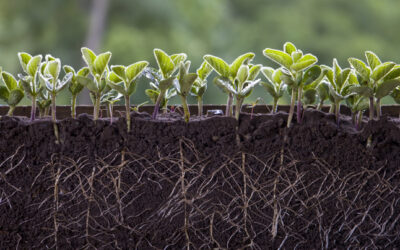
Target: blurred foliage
{"x":226,"y":28}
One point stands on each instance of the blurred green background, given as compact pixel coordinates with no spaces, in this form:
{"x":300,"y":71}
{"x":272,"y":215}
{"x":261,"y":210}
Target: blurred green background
{"x":130,"y":29}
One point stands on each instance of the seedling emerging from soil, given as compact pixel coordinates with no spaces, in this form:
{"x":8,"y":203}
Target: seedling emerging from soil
{"x":323,"y":93}
{"x":227,"y":74}
{"x":338,"y":79}
{"x":109,"y":99}
{"x":30,"y":82}
{"x":376,"y":80}
{"x":49,"y":78}
{"x":183,"y":86}
{"x":243,"y":84}
{"x":396,"y":96}
{"x":44,"y":103}
{"x":296,"y":72}
{"x":12,"y":92}
{"x":164,"y":79}
{"x":357,"y":103}
{"x":274,"y":86}
{"x":75,"y":87}
{"x":200,"y":85}
{"x":123,"y":80}
{"x":98,"y":67}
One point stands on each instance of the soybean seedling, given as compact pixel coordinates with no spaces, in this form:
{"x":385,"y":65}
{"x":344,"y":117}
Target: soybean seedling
{"x":183,"y":86}
{"x":123,"y":80}
{"x":376,"y":80}
{"x":396,"y":96}
{"x":98,"y":67}
{"x":163,"y":79}
{"x":109,"y":99}
{"x":323,"y":93}
{"x":154,"y":94}
{"x":30,"y":82}
{"x":357,"y":103}
{"x":338,"y":83}
{"x":74,"y":86}
{"x":200,"y":85}
{"x":49,"y":74}
{"x":44,"y":102}
{"x":274,"y":85}
{"x":137,"y":107}
{"x":297,"y":72}
{"x":12,"y":92}
{"x":243,"y":84}
{"x":227,"y":73}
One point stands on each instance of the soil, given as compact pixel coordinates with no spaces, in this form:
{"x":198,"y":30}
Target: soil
{"x":211,"y":183}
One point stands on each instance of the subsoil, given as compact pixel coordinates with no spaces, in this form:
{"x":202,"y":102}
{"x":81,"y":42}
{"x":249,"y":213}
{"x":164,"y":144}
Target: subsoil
{"x":212,"y":183}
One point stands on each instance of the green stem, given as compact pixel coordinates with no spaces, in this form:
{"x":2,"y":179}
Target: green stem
{"x":359,"y":120}
{"x":238,"y":107}
{"x":128,"y":113}
{"x":185,"y":108}
{"x":337,"y":112}
{"x":275,"y":106}
{"x":378,"y":108}
{"x":291,"y":111}
{"x":96,"y":107}
{"x":332,"y":108}
{"x":33,"y":108}
{"x":53,"y":116}
{"x":299,"y":106}
{"x":157,"y":105}
{"x":73,"y":106}
{"x":228,"y":111}
{"x":200,"y":106}
{"x":11,"y":111}
{"x":321,"y":103}
{"x":371,"y":108}
{"x":110,"y":111}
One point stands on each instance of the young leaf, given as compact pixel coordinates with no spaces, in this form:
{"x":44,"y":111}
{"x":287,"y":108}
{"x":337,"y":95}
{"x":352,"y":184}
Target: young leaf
{"x":24,"y":59}
{"x":311,"y":75}
{"x":53,"y":68}
{"x":254,"y":71}
{"x":88,"y":56}
{"x":178,"y":58}
{"x":166,"y":83}
{"x":101,"y":62}
{"x":280,"y":57}
{"x":309,"y":96}
{"x":323,"y":90}
{"x":15,"y":97}
{"x":304,"y":62}
{"x":268,"y":72}
{"x":361,"y":90}
{"x":385,"y":88}
{"x":239,"y":61}
{"x":289,"y":48}
{"x":4,"y":93}
{"x":393,"y":74}
{"x":249,"y":86}
{"x":204,"y":71}
{"x":9,"y":80}
{"x":360,"y":68}
{"x":119,"y":70}
{"x":382,"y":70}
{"x":33,"y":65}
{"x":270,"y":87}
{"x":372,"y":59}
{"x":243,"y":73}
{"x":88,"y":83}
{"x":219,"y":65}
{"x":134,"y":70}
{"x":164,"y":62}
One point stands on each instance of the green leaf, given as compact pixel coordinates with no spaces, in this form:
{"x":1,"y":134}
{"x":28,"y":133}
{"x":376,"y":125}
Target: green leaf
{"x":276,"y":76}
{"x":24,"y":59}
{"x":254,"y":71}
{"x":114,"y":78}
{"x":33,"y":65}
{"x":382,"y":70}
{"x":152,"y":94}
{"x":4,"y":93}
{"x":224,"y":84}
{"x":204,"y":71}
{"x":101,"y":62}
{"x":289,"y":48}
{"x":268,"y":72}
{"x":219,"y":65}
{"x":296,"y":56}
{"x":118,"y":87}
{"x":83,"y":72}
{"x":280,"y":57}
{"x":53,"y":68}
{"x":238,"y":62}
{"x":396,"y":95}
{"x":119,"y":70}
{"x":304,"y":62}
{"x":311,"y":75}
{"x":323,"y":90}
{"x":341,"y":80}
{"x":88,"y":83}
{"x":166,"y":83}
{"x":360,"y":68}
{"x":27,"y":87}
{"x":372,"y":59}
{"x":309,"y":96}
{"x":385,"y":88}
{"x":177,"y":59}
{"x":362,"y":90}
{"x":165,"y":63}
{"x":287,"y":79}
{"x":9,"y":80}
{"x":75,"y":88}
{"x":88,"y":56}
{"x":134,"y":70}
{"x":63,"y":83}
{"x":15,"y":97}
{"x":270,"y":89}
{"x":249,"y":86}
{"x":68,"y":69}
{"x":243,"y":73}
{"x":186,"y":83}
{"x":393,"y":74}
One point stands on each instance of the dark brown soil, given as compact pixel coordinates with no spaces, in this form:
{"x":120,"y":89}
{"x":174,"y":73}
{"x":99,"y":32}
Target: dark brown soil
{"x":211,"y":183}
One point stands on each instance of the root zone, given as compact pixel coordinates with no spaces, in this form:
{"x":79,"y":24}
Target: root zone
{"x":193,"y":201}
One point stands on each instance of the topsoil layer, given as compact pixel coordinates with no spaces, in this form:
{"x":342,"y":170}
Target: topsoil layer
{"x":212,"y":183}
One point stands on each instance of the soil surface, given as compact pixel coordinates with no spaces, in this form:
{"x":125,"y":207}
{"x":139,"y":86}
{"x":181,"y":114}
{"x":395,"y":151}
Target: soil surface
{"x":212,"y":183}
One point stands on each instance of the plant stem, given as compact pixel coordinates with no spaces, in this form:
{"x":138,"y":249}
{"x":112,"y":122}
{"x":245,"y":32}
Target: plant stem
{"x":110,"y":111}
{"x":291,"y":111}
{"x":275,"y":106}
{"x":238,"y":107}
{"x":299,"y":106}
{"x":228,"y":111}
{"x":157,"y":105}
{"x":371,"y":108}
{"x":337,"y":111}
{"x":359,"y":120}
{"x":33,"y":108}
{"x":378,"y":108}
{"x":200,"y":106}
{"x":332,"y":108}
{"x":46,"y":110}
{"x":96,"y":107}
{"x":185,"y":108}
{"x":73,"y":106}
{"x":11,"y":111}
{"x":321,"y":103}
{"x":53,"y":107}
{"x":127,"y":113}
